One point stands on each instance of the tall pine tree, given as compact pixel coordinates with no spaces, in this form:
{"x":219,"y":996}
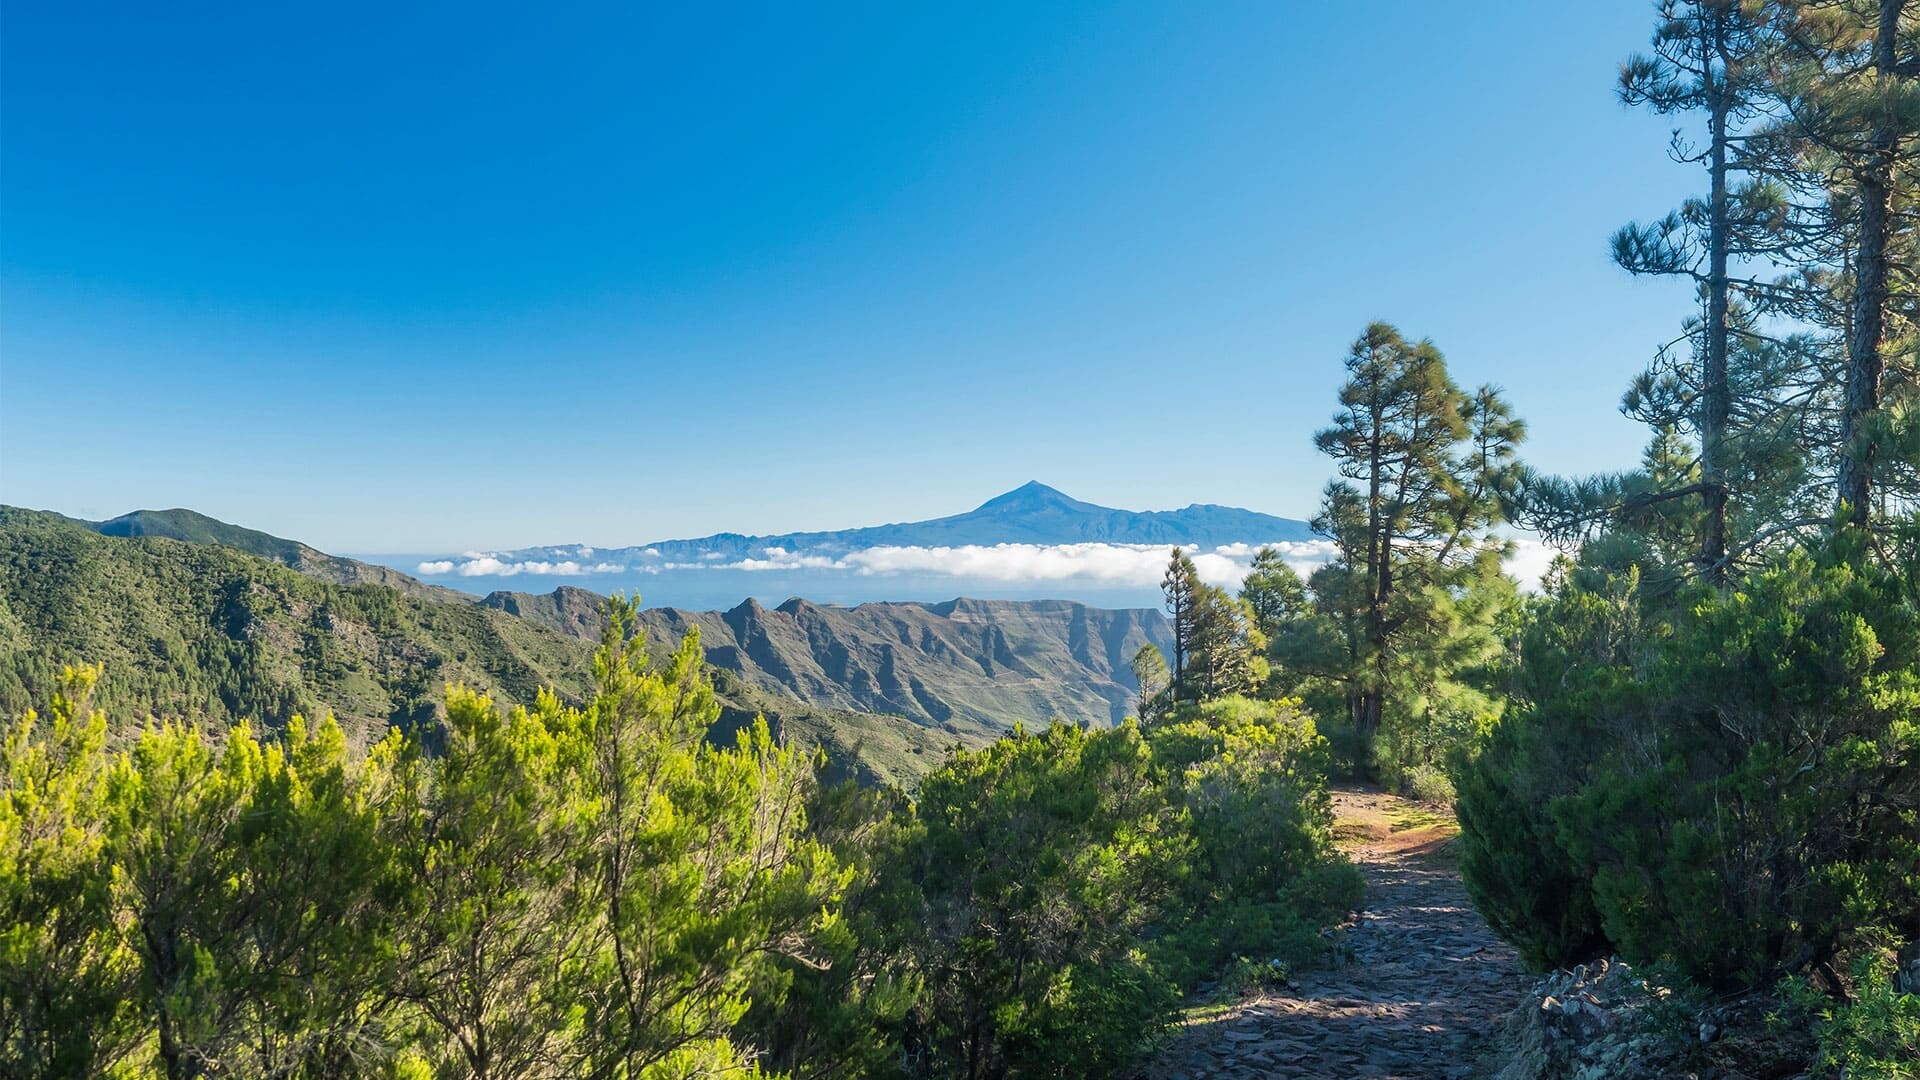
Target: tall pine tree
{"x":1423,"y":469}
{"x":1707,"y":58}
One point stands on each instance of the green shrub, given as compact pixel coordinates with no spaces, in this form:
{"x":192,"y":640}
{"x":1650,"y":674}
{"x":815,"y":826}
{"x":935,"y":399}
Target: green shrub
{"x":1042,"y":905}
{"x":1770,"y":816}
{"x":1729,"y":783}
{"x":1042,"y":860}
{"x":1528,"y":888}
{"x":1250,"y":776}
{"x":1428,"y":783}
{"x":1580,"y":649}
{"x":1876,"y":1035}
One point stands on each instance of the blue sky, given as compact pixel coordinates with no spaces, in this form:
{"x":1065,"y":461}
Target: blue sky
{"x":435,"y":277}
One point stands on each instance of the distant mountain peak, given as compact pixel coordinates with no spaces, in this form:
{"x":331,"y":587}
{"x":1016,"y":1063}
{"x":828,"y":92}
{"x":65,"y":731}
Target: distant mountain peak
{"x":1031,"y":515}
{"x":1030,"y":496}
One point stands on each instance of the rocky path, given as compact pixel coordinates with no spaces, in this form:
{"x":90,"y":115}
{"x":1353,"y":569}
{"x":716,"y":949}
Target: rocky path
{"x":1419,"y":988}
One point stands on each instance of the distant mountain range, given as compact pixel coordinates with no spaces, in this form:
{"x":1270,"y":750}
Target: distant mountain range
{"x":1030,"y":514}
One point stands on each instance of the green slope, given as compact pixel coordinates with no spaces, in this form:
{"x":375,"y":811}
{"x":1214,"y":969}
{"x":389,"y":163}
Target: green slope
{"x":192,"y":527}
{"x":197,"y":528}
{"x":207,"y":633}
{"x":205,"y":620}
{"x":966,"y":669}
{"x":212,"y":634}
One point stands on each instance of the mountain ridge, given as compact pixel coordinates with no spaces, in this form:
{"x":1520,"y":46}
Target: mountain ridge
{"x":965,"y":665}
{"x":193,"y":527}
{"x":212,"y":635}
{"x":1033,"y":513}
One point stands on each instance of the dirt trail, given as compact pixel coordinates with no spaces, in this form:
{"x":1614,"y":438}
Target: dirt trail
{"x":1421,"y":986}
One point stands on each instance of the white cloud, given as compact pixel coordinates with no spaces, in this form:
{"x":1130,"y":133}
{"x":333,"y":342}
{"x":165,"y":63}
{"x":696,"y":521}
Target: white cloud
{"x":1529,"y":561}
{"x":491,"y":566}
{"x":1112,"y":564}
{"x":1123,"y":565}
{"x":1098,"y":563}
{"x":786,"y":561}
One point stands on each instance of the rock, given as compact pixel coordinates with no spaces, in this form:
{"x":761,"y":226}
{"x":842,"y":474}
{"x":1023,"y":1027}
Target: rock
{"x":1907,"y":979}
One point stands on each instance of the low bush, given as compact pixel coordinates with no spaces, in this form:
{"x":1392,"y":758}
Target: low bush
{"x":1728,"y":779}
{"x":1873,"y":1036}
{"x":1042,"y":905}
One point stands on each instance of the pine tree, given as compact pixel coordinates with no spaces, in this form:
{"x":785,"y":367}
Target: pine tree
{"x":1151,"y":677}
{"x":67,"y":970}
{"x":1424,"y":467}
{"x":1848,"y":75}
{"x":703,"y":874}
{"x":1273,"y":592}
{"x":1182,"y":587}
{"x":1217,"y":651}
{"x":1707,"y":57}
{"x":502,"y":902}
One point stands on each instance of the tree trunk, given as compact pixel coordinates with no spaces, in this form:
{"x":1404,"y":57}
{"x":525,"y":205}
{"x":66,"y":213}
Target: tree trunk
{"x":170,"y":1056}
{"x":1865,"y":359}
{"x":1714,"y":392}
{"x":1178,"y":589}
{"x":164,"y":954}
{"x":1380,"y":588}
{"x":1372,"y":701}
{"x":1379,"y":575}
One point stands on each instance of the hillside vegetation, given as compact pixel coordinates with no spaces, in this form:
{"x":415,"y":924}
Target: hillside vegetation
{"x":197,"y":528}
{"x":195,"y":630}
{"x":601,"y":889}
{"x":214,"y":623}
{"x":215,"y":635}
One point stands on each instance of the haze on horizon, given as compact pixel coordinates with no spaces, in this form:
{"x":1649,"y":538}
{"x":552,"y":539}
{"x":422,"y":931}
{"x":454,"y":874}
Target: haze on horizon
{"x":384,"y":281}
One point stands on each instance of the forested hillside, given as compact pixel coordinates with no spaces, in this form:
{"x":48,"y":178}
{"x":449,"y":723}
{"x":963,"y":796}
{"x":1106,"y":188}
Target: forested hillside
{"x":207,"y":632}
{"x":229,"y":623}
{"x":198,"y":630}
{"x":197,"y":528}
{"x":211,"y":634}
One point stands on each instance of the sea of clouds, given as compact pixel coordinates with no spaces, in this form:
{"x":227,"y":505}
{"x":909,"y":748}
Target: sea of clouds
{"x":1116,"y":565}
